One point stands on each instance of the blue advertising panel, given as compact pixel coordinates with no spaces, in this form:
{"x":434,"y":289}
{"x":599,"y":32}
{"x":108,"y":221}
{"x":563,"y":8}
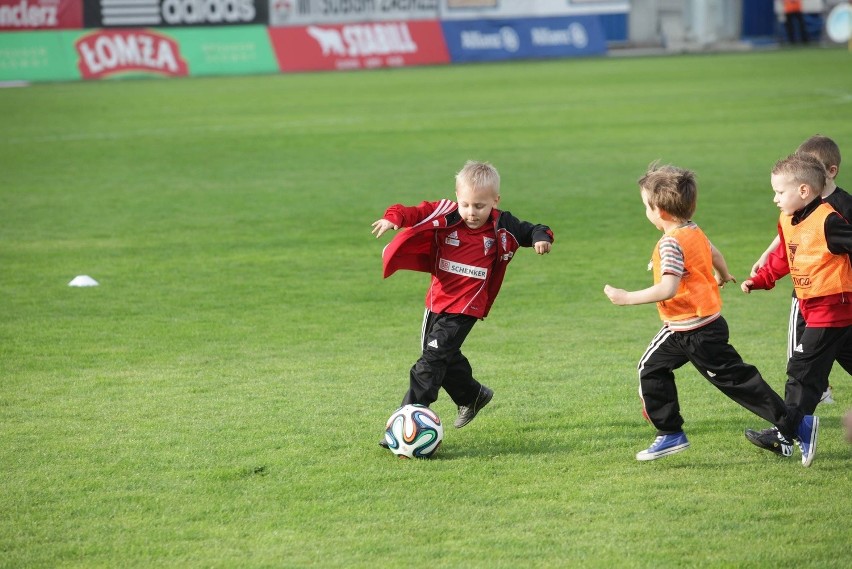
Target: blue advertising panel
{"x":523,"y":38}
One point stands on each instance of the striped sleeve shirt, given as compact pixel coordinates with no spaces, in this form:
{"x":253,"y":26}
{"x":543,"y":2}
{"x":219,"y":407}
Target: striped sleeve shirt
{"x":671,"y":257}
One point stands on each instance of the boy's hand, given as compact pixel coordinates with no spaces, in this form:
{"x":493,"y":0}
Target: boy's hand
{"x":542,"y":247}
{"x":721,"y":280}
{"x":382,"y":225}
{"x":746,"y":286}
{"x":755,"y":268}
{"x":760,"y":262}
{"x":616,"y":295}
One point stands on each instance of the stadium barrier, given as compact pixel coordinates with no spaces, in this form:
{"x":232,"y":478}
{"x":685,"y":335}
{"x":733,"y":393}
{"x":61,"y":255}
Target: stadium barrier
{"x":65,"y":40}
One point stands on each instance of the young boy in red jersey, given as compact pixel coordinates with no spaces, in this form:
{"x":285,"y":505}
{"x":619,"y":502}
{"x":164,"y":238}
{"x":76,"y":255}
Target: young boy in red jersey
{"x":826,"y":151}
{"x":686,"y":291}
{"x":814,"y":249}
{"x":466,"y":246}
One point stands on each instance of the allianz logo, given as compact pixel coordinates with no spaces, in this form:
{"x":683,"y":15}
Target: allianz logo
{"x":506,"y":38}
{"x":574,"y":35}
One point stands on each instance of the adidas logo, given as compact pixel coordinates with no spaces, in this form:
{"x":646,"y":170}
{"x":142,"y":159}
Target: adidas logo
{"x":453,"y":235}
{"x":799,"y":349}
{"x":433,"y":344}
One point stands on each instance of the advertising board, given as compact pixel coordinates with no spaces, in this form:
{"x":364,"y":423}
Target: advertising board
{"x":108,"y":53}
{"x":303,"y":12}
{"x":173,"y":13}
{"x":135,"y":52}
{"x":523,"y":38}
{"x":16,"y":15}
{"x":34,"y":56}
{"x":358,"y":45}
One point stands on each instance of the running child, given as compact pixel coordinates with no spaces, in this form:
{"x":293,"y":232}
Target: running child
{"x":814,"y":249}
{"x":686,"y":291}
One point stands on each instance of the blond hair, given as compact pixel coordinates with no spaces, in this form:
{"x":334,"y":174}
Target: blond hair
{"x":803,"y":169}
{"x":671,"y":189}
{"x":478,"y":175}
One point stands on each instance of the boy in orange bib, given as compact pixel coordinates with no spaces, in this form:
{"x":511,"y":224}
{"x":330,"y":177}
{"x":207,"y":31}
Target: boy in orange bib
{"x":814,"y":250}
{"x":686,"y":291}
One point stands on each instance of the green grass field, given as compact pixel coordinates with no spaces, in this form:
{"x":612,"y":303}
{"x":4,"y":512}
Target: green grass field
{"x":217,"y":400}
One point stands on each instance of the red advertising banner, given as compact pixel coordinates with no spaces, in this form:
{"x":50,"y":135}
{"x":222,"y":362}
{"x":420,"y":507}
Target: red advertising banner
{"x":363,"y":45}
{"x":41,"y":14}
{"x":106,"y":53}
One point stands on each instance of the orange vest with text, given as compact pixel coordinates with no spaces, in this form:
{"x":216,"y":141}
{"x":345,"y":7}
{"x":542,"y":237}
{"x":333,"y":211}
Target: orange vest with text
{"x":697,"y":295}
{"x":815,"y":270}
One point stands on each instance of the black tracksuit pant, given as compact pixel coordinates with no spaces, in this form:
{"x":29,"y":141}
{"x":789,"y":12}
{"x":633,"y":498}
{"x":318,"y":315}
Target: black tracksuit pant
{"x":707,"y":348}
{"x":810,"y":365}
{"x":810,"y":357}
{"x":441,"y":363}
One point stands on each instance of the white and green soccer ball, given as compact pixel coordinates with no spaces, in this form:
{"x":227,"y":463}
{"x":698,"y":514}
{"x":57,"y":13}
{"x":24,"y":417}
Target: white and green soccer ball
{"x":414,"y":431}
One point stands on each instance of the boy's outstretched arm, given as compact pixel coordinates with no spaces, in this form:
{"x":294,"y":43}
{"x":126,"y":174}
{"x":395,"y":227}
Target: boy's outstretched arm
{"x":722,"y":274}
{"x":774,"y":267}
{"x":663,"y":290}
{"x":765,"y":255}
{"x":381,"y":225}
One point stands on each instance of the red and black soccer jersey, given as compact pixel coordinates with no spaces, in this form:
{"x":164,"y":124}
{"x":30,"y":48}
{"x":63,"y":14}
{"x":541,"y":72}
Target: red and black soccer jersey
{"x":463,"y":260}
{"x":467,"y":266}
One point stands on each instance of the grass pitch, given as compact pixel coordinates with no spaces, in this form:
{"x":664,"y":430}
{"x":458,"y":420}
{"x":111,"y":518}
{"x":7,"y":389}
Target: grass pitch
{"x":217,"y":400}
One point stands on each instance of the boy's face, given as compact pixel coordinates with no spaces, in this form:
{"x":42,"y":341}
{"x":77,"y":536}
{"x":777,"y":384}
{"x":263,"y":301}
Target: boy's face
{"x":475,"y":204}
{"x":651,"y":212}
{"x":790,"y":197}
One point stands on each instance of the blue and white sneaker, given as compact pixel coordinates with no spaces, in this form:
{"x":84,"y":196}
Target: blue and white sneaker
{"x":664,"y":445}
{"x":806,"y":438}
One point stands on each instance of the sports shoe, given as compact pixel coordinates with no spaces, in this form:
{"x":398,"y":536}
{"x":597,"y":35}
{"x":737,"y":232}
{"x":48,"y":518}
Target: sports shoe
{"x":770,"y":439}
{"x":467,"y":413}
{"x":806,"y":437}
{"x":826,"y":397}
{"x":664,"y":445}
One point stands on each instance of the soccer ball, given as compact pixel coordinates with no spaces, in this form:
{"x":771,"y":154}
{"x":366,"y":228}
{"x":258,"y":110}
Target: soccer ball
{"x":414,"y":431}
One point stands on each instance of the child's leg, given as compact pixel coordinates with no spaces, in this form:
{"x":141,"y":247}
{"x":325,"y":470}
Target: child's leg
{"x":443,"y":335}
{"x":717,"y":360}
{"x":657,"y":385}
{"x":810,"y":366}
{"x":795,"y":327}
{"x":795,"y":330}
{"x":459,"y":382}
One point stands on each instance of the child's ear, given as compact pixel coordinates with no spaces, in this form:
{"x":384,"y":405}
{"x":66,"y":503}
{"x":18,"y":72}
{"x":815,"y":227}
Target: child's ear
{"x":832,"y":171}
{"x":805,"y":191}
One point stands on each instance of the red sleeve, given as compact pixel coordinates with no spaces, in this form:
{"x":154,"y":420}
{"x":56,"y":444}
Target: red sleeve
{"x":407,"y":216}
{"x":776,"y":267}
